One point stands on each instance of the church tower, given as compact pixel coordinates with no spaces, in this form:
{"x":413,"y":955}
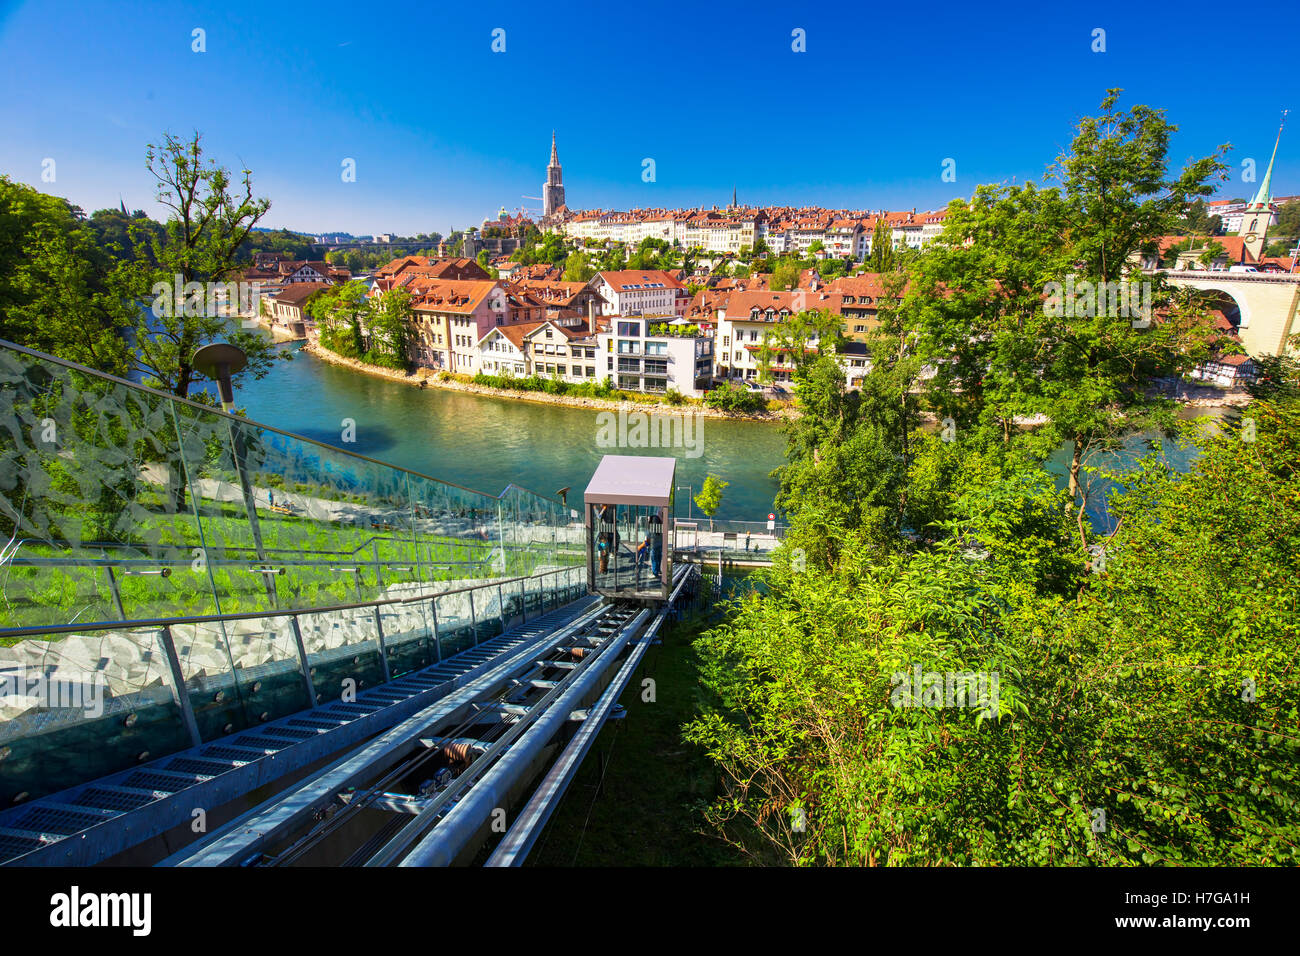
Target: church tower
{"x":553,"y":190}
{"x":1256,"y":217}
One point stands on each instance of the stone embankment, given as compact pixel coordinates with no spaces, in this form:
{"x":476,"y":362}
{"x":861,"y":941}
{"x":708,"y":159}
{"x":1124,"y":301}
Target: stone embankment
{"x":422,"y":378}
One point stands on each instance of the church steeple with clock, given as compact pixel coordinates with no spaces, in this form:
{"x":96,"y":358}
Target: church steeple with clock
{"x":1256,"y":217}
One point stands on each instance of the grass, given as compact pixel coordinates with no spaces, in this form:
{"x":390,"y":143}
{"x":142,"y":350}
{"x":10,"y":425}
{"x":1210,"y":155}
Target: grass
{"x":55,"y":595}
{"x":649,"y":810}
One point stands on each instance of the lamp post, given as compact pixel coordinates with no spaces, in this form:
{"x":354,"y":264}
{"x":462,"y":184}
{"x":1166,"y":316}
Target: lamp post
{"x":219,"y":361}
{"x":689,"y":490}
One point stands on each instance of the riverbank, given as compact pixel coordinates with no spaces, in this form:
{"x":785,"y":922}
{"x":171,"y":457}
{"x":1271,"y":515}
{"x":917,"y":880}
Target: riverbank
{"x":430,"y":378}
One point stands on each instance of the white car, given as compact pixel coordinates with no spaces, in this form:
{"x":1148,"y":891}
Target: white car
{"x":1242,"y":269}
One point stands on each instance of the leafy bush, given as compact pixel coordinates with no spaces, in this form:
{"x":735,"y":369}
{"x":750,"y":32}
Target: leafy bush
{"x":735,"y":400}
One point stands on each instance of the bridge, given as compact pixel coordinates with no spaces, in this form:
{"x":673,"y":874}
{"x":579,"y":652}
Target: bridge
{"x":224,"y":644}
{"x":1262,"y":305}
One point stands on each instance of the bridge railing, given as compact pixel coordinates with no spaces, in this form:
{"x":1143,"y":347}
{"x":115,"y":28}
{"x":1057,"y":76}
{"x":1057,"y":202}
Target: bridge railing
{"x":120,"y":502}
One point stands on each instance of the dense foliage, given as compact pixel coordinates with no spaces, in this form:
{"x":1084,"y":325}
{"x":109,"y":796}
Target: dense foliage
{"x":1146,"y":702}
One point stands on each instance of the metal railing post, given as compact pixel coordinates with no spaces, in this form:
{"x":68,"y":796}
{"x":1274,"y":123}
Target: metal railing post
{"x":117,"y":594}
{"x":179,"y":693}
{"x":383,"y":650}
{"x":501,"y":607}
{"x":473,"y":616}
{"x":303,"y":664}
{"x":437,"y":641}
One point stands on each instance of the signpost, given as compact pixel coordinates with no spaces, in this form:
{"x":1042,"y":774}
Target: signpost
{"x":771,"y":522}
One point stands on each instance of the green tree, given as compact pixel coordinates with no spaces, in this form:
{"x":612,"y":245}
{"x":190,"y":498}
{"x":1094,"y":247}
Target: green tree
{"x":1288,"y":221}
{"x":989,"y":305}
{"x":881,"y":257}
{"x":578,"y":267}
{"x":710,"y":497}
{"x":55,"y":290}
{"x":341,"y":311}
{"x":785,"y":275}
{"x":796,"y":340}
{"x":388,"y":320}
{"x":210,"y":219}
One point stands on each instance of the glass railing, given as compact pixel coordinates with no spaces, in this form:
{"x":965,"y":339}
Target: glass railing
{"x":83,"y":701}
{"x":121,"y":503}
{"x":171,"y":574}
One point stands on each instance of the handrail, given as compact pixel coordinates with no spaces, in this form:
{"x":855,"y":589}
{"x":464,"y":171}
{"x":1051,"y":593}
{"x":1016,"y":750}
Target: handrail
{"x":10,"y":632}
{"x":86,"y":370}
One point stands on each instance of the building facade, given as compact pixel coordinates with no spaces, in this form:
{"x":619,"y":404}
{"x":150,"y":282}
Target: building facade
{"x":639,"y":354}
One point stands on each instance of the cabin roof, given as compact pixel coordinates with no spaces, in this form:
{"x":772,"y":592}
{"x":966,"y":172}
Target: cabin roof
{"x":631,"y":480}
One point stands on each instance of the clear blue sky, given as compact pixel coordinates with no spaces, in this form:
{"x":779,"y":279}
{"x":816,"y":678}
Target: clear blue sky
{"x":445,"y":132}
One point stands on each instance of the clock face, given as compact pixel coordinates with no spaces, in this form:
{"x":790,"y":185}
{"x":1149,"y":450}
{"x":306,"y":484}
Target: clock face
{"x":1251,"y":237}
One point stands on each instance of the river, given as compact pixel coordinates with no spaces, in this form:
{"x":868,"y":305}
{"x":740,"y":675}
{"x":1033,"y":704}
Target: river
{"x":485,"y":443}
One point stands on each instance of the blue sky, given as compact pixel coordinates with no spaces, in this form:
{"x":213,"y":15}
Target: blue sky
{"x":444,"y":131}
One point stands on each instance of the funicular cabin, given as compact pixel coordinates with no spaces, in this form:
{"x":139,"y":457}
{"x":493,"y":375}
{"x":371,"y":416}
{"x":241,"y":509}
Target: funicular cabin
{"x":628,"y":507}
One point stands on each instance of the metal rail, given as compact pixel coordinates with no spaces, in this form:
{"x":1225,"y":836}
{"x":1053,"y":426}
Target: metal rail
{"x":265,"y":825}
{"x":530,"y":823}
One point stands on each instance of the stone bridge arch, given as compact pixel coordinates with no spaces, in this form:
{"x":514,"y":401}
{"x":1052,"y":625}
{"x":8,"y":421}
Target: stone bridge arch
{"x":1265,"y":304}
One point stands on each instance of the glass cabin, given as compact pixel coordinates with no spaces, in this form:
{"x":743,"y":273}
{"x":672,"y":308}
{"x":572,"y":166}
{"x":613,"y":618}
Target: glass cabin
{"x":628,"y":510}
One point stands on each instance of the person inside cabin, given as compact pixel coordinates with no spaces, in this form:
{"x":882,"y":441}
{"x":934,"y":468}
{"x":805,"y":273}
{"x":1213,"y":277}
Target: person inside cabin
{"x":606,"y":534}
{"x":653,"y":545}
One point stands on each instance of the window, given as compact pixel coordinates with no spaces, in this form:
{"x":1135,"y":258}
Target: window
{"x":629,"y":328}
{"x":591,"y":371}
{"x":629,"y":365}
{"x":656,"y":367}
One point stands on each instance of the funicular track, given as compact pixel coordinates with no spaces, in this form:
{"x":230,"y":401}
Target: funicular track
{"x":433,"y":789}
{"x":93,"y":822}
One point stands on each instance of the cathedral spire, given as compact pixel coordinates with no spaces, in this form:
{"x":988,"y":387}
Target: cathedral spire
{"x":553,"y":190}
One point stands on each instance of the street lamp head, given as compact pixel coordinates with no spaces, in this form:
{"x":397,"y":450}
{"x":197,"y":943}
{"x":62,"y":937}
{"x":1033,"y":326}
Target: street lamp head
{"x":219,"y":361}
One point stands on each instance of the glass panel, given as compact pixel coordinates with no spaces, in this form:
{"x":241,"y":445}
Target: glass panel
{"x":82,"y":707}
{"x":268,"y":671}
{"x":455,"y":626}
{"x":90,"y":480}
{"x":207,"y":668}
{"x":407,"y":636}
{"x":342,"y":646}
{"x":628,"y":542}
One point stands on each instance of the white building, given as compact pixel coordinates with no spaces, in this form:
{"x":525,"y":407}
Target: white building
{"x":640,"y":355}
{"x":636,"y":292}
